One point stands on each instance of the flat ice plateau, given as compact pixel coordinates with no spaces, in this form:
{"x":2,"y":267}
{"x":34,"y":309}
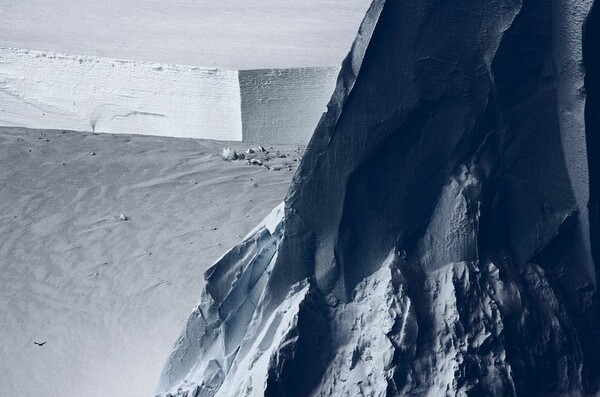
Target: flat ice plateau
{"x":233,"y":34}
{"x":109,"y":294}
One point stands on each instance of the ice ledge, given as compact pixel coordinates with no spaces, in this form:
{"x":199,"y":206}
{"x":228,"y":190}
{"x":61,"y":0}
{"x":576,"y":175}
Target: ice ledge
{"x":86,"y":93}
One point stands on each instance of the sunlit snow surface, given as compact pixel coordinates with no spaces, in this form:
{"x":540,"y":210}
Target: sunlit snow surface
{"x":236,"y":34}
{"x":109,"y":294}
{"x":40,"y":89}
{"x":153,"y":91}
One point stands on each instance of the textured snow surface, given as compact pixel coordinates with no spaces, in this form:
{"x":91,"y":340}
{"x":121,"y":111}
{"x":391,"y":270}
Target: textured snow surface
{"x":234,"y":34}
{"x":82,"y":93}
{"x":434,"y":239}
{"x":108,"y":293}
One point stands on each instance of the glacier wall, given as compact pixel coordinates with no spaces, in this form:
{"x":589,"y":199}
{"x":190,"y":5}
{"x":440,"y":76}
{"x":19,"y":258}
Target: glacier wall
{"x":284,"y":103}
{"x":84,"y":93}
{"x":46,"y":90}
{"x":435,"y":238}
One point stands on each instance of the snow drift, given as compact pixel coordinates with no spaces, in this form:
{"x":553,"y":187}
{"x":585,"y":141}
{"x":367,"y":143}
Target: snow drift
{"x":84,"y":93}
{"x":435,"y":237}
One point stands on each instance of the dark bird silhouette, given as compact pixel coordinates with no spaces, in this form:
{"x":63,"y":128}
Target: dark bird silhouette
{"x":40,"y":343}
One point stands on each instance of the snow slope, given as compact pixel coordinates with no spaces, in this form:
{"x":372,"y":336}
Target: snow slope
{"x":109,"y":295}
{"x":234,"y":34}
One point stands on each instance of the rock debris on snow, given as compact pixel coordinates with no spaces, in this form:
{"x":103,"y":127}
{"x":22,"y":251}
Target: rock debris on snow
{"x":259,"y":156}
{"x":59,"y":231}
{"x":229,"y":154}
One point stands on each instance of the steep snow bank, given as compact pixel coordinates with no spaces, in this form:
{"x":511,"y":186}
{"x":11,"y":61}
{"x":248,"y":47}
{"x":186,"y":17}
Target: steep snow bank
{"x":434,"y":238}
{"x":47,"y":90}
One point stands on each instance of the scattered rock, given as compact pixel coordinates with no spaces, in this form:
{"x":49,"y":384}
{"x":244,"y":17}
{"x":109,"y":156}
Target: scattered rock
{"x":123,"y":217}
{"x":229,"y":154}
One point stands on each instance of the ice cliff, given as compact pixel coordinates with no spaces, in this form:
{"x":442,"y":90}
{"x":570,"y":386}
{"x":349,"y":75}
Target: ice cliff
{"x":85,"y":93}
{"x":436,"y":236}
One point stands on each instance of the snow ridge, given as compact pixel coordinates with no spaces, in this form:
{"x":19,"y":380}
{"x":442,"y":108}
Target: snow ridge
{"x":207,"y":348}
{"x":432,"y":238}
{"x":426,"y":325}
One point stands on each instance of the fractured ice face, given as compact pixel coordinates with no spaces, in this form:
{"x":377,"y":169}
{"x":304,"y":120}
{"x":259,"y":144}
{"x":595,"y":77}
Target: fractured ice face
{"x":434,"y":239}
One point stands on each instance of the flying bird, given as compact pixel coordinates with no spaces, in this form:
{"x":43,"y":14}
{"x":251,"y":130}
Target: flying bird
{"x":40,"y":343}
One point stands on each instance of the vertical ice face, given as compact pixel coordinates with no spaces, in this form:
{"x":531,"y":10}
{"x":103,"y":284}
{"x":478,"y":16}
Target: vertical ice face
{"x":284,"y":105}
{"x":82,"y":93}
{"x":117,"y":96}
{"x":434,"y":238}
{"x":591,"y":59}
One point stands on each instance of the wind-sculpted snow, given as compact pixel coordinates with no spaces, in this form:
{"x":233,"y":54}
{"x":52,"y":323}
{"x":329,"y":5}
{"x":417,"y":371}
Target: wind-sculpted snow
{"x":434,"y":239}
{"x":214,"y":332}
